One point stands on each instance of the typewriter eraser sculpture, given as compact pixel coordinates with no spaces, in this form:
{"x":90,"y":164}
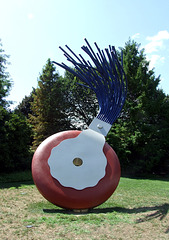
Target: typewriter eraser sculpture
{"x":78,"y":169}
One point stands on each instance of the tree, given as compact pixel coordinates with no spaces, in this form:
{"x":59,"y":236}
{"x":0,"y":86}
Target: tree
{"x":25,"y":106}
{"x":15,"y":132}
{"x":82,"y":104}
{"x":48,"y":116}
{"x":137,"y":134}
{"x":15,"y":142}
{"x":5,"y":83}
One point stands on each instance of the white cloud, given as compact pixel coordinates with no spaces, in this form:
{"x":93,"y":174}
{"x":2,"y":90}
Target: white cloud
{"x":30,"y":16}
{"x":161,"y":35}
{"x":153,"y":46}
{"x":156,"y":42}
{"x":137,"y":35}
{"x":155,"y":59}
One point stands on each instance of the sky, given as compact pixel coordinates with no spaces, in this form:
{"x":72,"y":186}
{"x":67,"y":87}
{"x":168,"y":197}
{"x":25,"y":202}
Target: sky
{"x":31,"y":31}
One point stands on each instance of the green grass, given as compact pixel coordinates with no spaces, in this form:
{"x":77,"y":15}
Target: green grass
{"x":131,"y":196}
{"x":15,"y":177}
{"x":136,"y":204}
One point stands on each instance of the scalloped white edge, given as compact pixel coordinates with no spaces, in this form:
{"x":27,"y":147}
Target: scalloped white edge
{"x":88,"y":146}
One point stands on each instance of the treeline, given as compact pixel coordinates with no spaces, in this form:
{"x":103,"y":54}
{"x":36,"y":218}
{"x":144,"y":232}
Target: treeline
{"x":15,"y":130}
{"x":139,"y":136}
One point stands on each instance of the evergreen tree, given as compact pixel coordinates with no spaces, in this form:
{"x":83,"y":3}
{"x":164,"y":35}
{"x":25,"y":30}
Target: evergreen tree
{"x":25,"y":106}
{"x":137,"y":134}
{"x":48,"y":116}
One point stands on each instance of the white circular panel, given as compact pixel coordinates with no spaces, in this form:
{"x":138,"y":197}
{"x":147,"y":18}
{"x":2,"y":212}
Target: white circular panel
{"x":89,"y":170}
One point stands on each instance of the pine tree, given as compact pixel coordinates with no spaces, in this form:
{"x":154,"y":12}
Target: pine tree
{"x":48,"y":105}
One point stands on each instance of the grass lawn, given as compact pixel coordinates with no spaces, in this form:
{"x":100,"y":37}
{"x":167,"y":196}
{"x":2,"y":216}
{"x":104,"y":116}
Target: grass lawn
{"x":139,"y":209}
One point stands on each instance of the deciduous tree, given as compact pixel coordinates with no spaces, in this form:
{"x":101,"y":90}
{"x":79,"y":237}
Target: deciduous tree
{"x":82,"y":104}
{"x":5,"y":82}
{"x":15,"y":142}
{"x":15,"y":132}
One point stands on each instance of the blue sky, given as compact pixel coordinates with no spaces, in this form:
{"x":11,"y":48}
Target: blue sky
{"x":31,"y":31}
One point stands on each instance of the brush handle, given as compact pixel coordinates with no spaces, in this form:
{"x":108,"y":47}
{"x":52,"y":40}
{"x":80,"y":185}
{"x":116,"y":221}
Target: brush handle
{"x":100,"y":126}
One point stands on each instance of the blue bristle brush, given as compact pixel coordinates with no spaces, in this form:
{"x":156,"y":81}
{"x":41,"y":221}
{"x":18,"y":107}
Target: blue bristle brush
{"x":106,"y":77}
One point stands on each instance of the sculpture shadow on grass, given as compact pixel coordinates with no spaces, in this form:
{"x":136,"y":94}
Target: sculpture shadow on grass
{"x":160,"y":212}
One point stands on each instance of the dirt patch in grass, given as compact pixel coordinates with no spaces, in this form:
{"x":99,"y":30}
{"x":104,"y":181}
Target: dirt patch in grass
{"x":25,"y":214}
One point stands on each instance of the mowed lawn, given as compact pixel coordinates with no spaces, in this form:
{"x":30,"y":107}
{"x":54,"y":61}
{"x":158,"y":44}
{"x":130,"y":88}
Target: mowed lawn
{"x":139,"y":209}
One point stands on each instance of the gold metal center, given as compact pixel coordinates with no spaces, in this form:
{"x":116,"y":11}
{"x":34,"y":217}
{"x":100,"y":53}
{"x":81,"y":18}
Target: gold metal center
{"x":77,"y":162}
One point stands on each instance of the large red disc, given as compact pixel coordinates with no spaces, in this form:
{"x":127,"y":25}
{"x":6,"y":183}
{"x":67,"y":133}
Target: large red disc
{"x":68,"y":197}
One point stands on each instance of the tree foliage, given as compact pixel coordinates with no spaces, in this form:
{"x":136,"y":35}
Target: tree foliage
{"x":5,"y":83}
{"x":25,"y":106}
{"x":138,"y":135}
{"x":14,"y":141}
{"x":48,"y":115}
{"x":82,"y":105}
{"x":15,"y":132}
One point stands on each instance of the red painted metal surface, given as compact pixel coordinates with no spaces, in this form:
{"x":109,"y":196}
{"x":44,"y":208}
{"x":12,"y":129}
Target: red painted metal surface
{"x":67,"y":197}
